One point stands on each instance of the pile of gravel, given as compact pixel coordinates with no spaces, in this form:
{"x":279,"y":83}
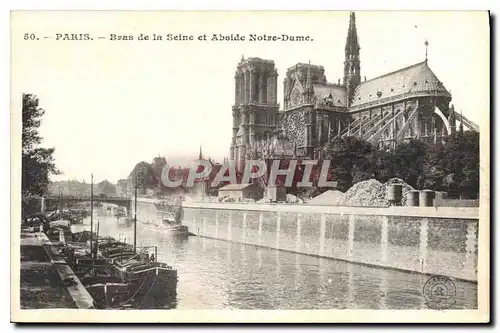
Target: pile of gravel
{"x":264,"y":200}
{"x":368,"y":193}
{"x":372,"y":193}
{"x":292,"y":199}
{"x":330,"y":197}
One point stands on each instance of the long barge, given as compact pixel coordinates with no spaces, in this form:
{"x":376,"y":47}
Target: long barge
{"x":116,"y":275}
{"x":119,"y":277}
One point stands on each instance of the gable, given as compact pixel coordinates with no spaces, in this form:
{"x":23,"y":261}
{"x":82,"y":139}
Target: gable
{"x":335,"y":95}
{"x":297,"y":86}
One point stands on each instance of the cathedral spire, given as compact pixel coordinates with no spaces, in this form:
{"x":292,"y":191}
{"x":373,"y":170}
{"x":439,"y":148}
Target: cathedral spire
{"x":200,"y":155}
{"x":352,"y":71}
{"x":351,"y":44}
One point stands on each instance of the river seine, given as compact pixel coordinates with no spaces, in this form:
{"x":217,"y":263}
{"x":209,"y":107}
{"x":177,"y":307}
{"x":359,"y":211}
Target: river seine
{"x":216,"y":274}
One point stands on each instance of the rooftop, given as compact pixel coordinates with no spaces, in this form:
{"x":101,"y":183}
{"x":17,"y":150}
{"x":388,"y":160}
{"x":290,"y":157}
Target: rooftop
{"x":334,"y":94}
{"x":412,"y":79}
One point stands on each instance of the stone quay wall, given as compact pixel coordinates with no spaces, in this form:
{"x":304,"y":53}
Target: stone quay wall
{"x":426,"y":240}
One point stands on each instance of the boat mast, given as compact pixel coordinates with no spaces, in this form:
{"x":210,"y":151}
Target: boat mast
{"x":135,"y":213}
{"x":91,"y":213}
{"x":97,"y":239}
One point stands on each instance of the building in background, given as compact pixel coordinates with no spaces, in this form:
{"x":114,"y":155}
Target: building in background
{"x":122,"y":188}
{"x":239,"y":192}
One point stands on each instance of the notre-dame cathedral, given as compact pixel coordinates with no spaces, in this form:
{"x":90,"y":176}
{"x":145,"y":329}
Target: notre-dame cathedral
{"x":395,"y":107}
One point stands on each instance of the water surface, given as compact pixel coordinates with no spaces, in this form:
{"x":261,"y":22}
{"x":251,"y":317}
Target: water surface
{"x":217,"y":274}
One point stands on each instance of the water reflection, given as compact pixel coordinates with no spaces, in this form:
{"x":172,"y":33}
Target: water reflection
{"x":215,"y":274}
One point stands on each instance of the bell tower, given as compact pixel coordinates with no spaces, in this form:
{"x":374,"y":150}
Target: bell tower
{"x":352,"y":71}
{"x":255,"y":109}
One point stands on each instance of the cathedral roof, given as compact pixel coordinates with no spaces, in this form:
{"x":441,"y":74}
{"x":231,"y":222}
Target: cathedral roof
{"x":417,"y":78}
{"x":333,"y":93}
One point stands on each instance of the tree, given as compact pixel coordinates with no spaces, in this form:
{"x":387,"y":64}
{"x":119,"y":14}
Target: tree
{"x":452,"y":167}
{"x":352,"y":160}
{"x":433,"y":168}
{"x":363,"y":157}
{"x":461,"y":164}
{"x":145,"y":176}
{"x":105,"y":187}
{"x":37,"y":163}
{"x":407,"y":162}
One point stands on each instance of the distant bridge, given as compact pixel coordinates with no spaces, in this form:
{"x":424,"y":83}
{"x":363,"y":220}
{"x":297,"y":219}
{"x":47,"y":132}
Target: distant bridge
{"x":54,"y":200}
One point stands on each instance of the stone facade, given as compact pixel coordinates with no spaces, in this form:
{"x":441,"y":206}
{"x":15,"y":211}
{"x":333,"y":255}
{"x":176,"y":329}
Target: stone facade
{"x":255,"y":111}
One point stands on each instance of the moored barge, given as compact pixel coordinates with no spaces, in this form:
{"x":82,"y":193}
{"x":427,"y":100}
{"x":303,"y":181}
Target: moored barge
{"x":119,"y":277}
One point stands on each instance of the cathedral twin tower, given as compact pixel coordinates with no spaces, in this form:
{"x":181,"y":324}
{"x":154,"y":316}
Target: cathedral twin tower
{"x":255,"y":107}
{"x":256,"y":82}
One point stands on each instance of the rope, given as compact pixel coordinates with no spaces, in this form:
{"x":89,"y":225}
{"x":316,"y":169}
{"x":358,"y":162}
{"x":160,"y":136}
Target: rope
{"x":136,"y":292}
{"x":81,"y":235}
{"x":147,"y":294}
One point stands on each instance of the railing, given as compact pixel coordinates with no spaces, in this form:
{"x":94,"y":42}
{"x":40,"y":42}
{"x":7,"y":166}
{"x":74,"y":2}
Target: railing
{"x":84,"y":198}
{"x":400,"y":97}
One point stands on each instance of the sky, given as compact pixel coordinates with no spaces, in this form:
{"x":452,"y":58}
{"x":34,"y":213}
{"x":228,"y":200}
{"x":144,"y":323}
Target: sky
{"x":111,"y":104}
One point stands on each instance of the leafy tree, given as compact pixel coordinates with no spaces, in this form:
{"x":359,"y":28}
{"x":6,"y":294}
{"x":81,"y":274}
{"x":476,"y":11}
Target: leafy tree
{"x":352,"y":160}
{"x":453,"y":167}
{"x":145,"y":176}
{"x":434,"y":170}
{"x":363,"y":157}
{"x":461,"y":162}
{"x":37,"y":163}
{"x":407,"y":162}
{"x":106,"y":187}
{"x":384,"y":167}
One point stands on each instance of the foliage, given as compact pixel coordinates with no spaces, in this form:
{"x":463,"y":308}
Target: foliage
{"x":77,"y":188}
{"x":407,"y":162}
{"x":452,"y":167}
{"x":69,"y":187}
{"x":105,"y":187}
{"x":461,"y":162}
{"x":145,"y":176}
{"x":37,"y":163}
{"x":351,"y":161}
{"x":434,"y":170}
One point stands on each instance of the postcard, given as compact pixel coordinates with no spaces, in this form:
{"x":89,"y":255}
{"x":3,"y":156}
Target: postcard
{"x":250,"y":166}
